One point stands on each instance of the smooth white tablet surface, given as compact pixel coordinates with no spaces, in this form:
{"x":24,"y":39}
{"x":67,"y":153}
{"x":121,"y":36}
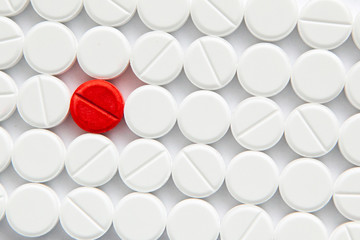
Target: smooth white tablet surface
{"x":198,"y":170}
{"x":193,"y":219}
{"x":91,"y":160}
{"x":89,"y":206}
{"x":140,"y":211}
{"x":210,"y":63}
{"x":311,"y":130}
{"x":8,"y":96}
{"x":356,"y":31}
{"x":349,"y":139}
{"x":264,"y":70}
{"x":145,"y":165}
{"x":57,"y":55}
{"x":43,"y":101}
{"x":204,"y":117}
{"x":11,"y":8}
{"x":33,"y":210}
{"x":352,"y":85}
{"x":11,"y":43}
{"x":325,"y":29}
{"x":164,"y":15}
{"x":257,"y":123}
{"x":38,"y":155}
{"x":346,"y":231}
{"x":306,"y":185}
{"x":157,"y":58}
{"x":6,"y":149}
{"x":150,"y":111}
{"x":246,"y":222}
{"x":271,"y":20}
{"x":252,"y":177}
{"x":318,"y":76}
{"x":3,"y":201}
{"x":217,"y":17}
{"x":57,"y":10}
{"x":104,"y":52}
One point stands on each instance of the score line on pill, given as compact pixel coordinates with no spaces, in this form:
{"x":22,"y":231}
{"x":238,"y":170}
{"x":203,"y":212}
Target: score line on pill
{"x":8,"y":96}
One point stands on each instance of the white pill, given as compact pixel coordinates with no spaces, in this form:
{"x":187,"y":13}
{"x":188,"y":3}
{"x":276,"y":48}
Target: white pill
{"x":91,"y":160}
{"x":140,"y":216}
{"x":346,"y":231}
{"x":210,"y":63}
{"x":325,"y":29}
{"x":217,"y":18}
{"x":57,"y":10}
{"x":271,"y":20}
{"x":150,"y":111}
{"x":43,"y":101}
{"x":33,"y":210}
{"x":145,"y":165}
{"x":257,"y":123}
{"x":8,"y":96}
{"x":11,"y":8}
{"x":252,"y":177}
{"x":356,"y":31}
{"x":193,"y":219}
{"x":3,"y":201}
{"x":312,"y":130}
{"x":204,"y":117}
{"x":264,"y":70}
{"x":198,"y":170}
{"x":38,"y":155}
{"x":246,"y":222}
{"x":89,"y":206}
{"x":352,"y":85}
{"x":104,"y":52}
{"x":349,"y":139}
{"x":164,"y":15}
{"x":6,"y":149}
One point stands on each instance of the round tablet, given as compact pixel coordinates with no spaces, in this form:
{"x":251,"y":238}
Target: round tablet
{"x":103,"y":53}
{"x":11,"y":42}
{"x":264,"y":70}
{"x":164,"y":15}
{"x":204,"y":117}
{"x":346,"y":231}
{"x":150,"y":111}
{"x":43,"y":101}
{"x":210,"y":63}
{"x":38,"y":155}
{"x":3,"y":201}
{"x":157,"y":58}
{"x":325,"y":29}
{"x":271,"y":20}
{"x":6,"y":148}
{"x":352,"y":85}
{"x":33,"y":210}
{"x":8,"y":96}
{"x":145,"y":165}
{"x":198,"y":170}
{"x":57,"y":55}
{"x":257,"y":123}
{"x":312,"y":130}
{"x":140,"y":211}
{"x":97,"y":106}
{"x":217,"y":18}
{"x":89,"y":206}
{"x":57,"y":10}
{"x":349,"y":139}
{"x":252,"y":177}
{"x":91,"y":160}
{"x":11,"y":8}
{"x":246,"y":222}
{"x":356,"y":31}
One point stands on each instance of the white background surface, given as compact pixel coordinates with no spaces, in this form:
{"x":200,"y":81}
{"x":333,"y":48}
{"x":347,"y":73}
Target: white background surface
{"x":180,"y":88}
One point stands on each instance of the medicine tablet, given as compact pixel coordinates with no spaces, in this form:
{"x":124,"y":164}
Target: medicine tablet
{"x":264,"y":70}
{"x":218,"y":18}
{"x":210,"y":63}
{"x":6,"y":148}
{"x":306,"y":185}
{"x":89,"y":206}
{"x":150,"y":111}
{"x":57,"y":10}
{"x":349,"y":139}
{"x":140,"y":211}
{"x":204,"y":117}
{"x":356,"y":31}
{"x":3,"y":201}
{"x":271,"y":20}
{"x":157,"y":58}
{"x":145,"y":165}
{"x":57,"y":55}
{"x":312,"y":130}
{"x":198,"y":170}
{"x":38,"y":155}
{"x":246,"y":222}
{"x":252,"y":177}
{"x":325,"y":29}
{"x":257,"y":123}
{"x":33,"y":210}
{"x":352,"y":85}
{"x":91,"y":160}
{"x":193,"y":219}
{"x":346,"y":231}
{"x":8,"y":96}
{"x":104,"y":52}
{"x":11,"y":42}
{"x":11,"y":8}
{"x":43,"y":101}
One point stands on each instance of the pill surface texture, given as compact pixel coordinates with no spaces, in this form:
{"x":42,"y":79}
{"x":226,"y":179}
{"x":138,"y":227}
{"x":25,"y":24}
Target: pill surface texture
{"x":352,"y":85}
{"x":3,"y":201}
{"x":57,"y":10}
{"x":356,"y":31}
{"x":11,"y":8}
{"x":6,"y":149}
{"x":346,"y":231}
{"x":8,"y":96}
{"x":349,"y":139}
